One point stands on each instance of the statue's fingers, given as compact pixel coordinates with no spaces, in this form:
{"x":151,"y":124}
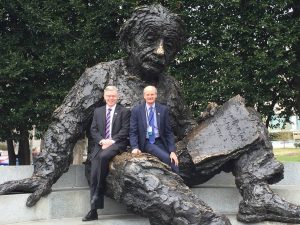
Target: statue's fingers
{"x":4,"y":188}
{"x":33,"y":198}
{"x":9,"y":186}
{"x":24,"y":185}
{"x":42,"y":190}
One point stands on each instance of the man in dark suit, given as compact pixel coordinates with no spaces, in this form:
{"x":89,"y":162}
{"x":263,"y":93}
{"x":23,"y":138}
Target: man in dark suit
{"x":109,"y":130}
{"x":150,"y":130}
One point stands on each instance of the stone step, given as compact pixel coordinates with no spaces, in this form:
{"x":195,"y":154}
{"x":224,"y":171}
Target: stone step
{"x":122,"y":220}
{"x":103,"y":220}
{"x":75,"y":176}
{"x":291,"y":176}
{"x":66,"y":202}
{"x":70,"y":196}
{"x":229,"y":196}
{"x":59,"y":204}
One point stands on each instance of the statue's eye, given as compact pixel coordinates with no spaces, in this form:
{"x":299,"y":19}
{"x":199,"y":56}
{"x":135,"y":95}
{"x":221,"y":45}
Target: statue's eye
{"x":168,"y":44}
{"x":150,"y":38}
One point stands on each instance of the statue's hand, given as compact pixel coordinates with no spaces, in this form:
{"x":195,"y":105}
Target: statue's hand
{"x":38,"y":186}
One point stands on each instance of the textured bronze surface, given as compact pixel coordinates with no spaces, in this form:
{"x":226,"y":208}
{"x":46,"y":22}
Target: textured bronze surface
{"x":231,"y":138}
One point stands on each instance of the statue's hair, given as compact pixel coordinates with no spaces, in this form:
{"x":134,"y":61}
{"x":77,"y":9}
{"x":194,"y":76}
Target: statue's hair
{"x":140,"y":15}
{"x":111,"y":88}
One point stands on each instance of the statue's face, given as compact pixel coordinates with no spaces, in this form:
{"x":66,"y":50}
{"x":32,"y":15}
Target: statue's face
{"x":154,"y":47}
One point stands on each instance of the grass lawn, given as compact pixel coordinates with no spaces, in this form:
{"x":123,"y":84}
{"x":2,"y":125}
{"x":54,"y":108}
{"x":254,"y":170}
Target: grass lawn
{"x":287,"y":154}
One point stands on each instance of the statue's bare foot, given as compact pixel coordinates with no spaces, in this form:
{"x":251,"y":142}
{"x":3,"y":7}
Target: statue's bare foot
{"x":269,"y":206}
{"x":38,"y":186}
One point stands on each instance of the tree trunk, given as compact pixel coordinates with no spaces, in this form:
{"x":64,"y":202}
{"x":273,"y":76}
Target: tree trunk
{"x":24,"y":151}
{"x":11,"y":152}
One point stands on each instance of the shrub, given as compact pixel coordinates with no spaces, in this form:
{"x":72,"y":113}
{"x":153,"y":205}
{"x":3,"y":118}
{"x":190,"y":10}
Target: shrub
{"x":3,"y":146}
{"x":281,"y":136}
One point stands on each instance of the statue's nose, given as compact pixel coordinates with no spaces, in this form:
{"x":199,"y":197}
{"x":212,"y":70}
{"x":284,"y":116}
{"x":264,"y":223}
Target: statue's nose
{"x":160,"y":48}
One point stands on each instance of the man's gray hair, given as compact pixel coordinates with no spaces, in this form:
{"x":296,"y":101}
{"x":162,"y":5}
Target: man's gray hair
{"x":111,"y":88}
{"x":149,"y":88}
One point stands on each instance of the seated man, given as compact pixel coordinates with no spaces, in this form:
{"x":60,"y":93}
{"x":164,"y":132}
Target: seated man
{"x":110,"y":131}
{"x":156,"y":138}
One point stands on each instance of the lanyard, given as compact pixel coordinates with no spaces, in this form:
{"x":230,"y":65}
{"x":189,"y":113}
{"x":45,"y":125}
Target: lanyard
{"x":147,"y":115}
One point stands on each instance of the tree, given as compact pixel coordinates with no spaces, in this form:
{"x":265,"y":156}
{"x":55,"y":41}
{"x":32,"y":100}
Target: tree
{"x":295,"y":84}
{"x":233,"y":47}
{"x":45,"y":46}
{"x":240,"y":47}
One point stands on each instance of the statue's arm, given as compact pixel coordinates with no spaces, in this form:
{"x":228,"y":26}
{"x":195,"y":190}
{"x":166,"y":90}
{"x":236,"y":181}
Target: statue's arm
{"x":182,"y":120}
{"x":69,"y":122}
{"x":169,"y":134}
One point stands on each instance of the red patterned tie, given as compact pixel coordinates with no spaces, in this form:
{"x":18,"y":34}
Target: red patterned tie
{"x":107,"y":136}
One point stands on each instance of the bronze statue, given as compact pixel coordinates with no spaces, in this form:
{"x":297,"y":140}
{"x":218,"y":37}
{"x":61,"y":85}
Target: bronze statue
{"x":231,"y":138}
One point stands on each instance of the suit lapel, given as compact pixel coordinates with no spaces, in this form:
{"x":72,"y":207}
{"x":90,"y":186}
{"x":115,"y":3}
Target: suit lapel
{"x":158,"y":115}
{"x":102,"y":120}
{"x":117,"y":110}
{"x":143,"y":115}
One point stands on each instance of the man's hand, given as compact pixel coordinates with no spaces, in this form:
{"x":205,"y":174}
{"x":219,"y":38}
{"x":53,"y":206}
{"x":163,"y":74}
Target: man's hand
{"x":136,"y":151}
{"x":174,"y":158}
{"x":106,"y":143}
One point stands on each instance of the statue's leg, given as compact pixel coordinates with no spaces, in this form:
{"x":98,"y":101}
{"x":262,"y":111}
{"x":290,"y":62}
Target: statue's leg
{"x":148,"y":187}
{"x":253,"y":172}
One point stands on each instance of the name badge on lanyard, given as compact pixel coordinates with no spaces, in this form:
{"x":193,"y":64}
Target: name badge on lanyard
{"x":149,"y":130}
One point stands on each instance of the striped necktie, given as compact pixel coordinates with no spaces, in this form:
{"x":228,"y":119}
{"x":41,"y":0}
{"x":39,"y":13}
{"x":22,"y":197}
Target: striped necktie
{"x":107,"y":126}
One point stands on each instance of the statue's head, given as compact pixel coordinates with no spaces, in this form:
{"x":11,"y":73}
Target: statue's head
{"x":152,"y":37}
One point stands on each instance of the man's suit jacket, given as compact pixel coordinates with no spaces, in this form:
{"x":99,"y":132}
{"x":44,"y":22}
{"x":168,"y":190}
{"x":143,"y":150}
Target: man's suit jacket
{"x":120,"y":127}
{"x":138,"y":127}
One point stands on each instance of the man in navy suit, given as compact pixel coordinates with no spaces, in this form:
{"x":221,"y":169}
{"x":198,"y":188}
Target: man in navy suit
{"x":150,"y":130}
{"x":109,"y":130}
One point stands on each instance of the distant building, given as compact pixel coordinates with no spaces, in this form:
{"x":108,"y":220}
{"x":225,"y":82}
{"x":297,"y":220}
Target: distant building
{"x":291,"y":130}
{"x":277,"y":124}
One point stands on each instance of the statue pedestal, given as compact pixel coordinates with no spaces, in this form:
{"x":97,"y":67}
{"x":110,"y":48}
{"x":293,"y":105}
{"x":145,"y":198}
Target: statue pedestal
{"x":69,"y":200}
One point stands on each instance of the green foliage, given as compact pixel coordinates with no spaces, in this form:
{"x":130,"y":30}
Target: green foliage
{"x":240,"y":47}
{"x":45,"y":46}
{"x":233,"y":47}
{"x":281,"y":136}
{"x":297,"y":145}
{"x":3,"y":146}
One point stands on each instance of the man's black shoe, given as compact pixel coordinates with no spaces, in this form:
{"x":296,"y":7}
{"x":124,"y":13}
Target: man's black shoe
{"x":92,"y":215}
